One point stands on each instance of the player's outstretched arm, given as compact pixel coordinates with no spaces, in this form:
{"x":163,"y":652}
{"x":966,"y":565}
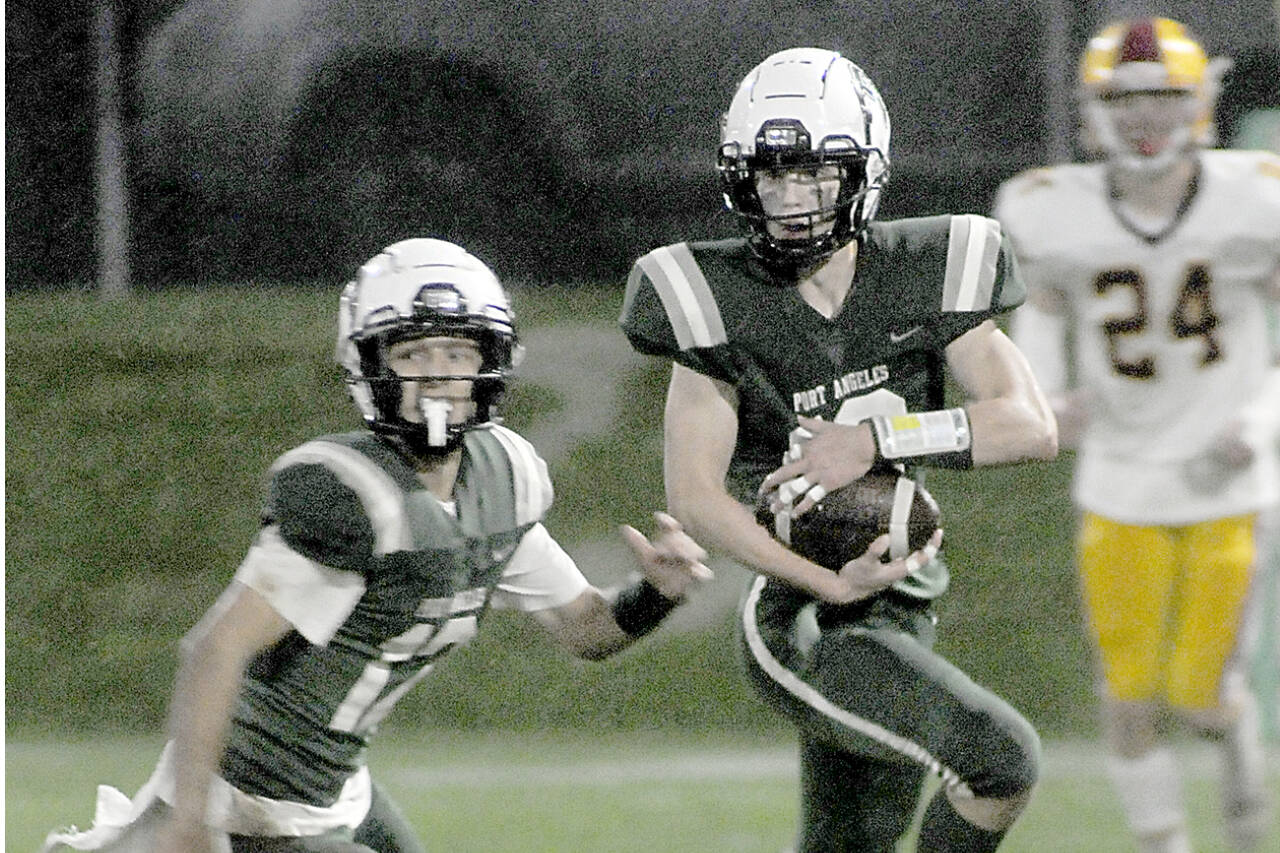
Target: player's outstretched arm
{"x":214,"y":656}
{"x":672,"y":563}
{"x":596,"y":625}
{"x":1039,"y":330}
{"x":1254,"y":426}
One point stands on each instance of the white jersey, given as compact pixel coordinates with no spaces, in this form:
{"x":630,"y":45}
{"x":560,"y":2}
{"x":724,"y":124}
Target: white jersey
{"x":1170,"y":330}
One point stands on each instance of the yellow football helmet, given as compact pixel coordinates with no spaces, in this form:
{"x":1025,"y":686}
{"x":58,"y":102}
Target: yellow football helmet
{"x":1148,"y":92}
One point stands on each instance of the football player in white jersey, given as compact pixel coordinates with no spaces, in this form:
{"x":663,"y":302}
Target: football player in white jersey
{"x":1159,"y":265}
{"x":380,"y":550}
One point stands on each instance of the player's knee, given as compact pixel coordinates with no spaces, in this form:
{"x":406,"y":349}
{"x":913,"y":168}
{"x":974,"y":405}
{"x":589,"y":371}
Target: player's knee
{"x":1214,"y":717}
{"x":1011,"y":760}
{"x":1021,"y":768}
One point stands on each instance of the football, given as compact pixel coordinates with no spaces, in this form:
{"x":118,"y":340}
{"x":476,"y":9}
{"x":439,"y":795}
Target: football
{"x":847,"y":521}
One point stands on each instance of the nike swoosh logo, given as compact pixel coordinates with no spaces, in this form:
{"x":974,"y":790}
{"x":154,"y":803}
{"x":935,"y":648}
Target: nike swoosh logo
{"x":895,"y":338}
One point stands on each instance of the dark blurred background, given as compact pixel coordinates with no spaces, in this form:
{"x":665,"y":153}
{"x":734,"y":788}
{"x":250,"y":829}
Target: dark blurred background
{"x":287,"y":140}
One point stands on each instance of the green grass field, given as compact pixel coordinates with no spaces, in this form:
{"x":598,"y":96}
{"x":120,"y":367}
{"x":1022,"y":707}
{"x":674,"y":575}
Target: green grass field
{"x":640,"y":792}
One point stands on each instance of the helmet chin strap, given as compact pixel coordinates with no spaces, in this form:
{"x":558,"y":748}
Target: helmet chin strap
{"x":791,"y":260}
{"x":435,"y":413}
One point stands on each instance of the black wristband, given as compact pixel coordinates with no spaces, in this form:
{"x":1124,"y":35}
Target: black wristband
{"x":961,"y":460}
{"x":639,"y":608}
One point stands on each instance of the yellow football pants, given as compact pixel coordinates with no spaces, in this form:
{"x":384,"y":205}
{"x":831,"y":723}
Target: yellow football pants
{"x":1165,"y":604}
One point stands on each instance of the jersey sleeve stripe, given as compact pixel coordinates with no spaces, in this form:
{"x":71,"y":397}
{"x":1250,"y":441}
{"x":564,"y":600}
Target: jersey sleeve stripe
{"x":972,"y":253}
{"x":686,"y":296}
{"x":539,"y":576}
{"x":378,"y":493}
{"x":532,"y":483}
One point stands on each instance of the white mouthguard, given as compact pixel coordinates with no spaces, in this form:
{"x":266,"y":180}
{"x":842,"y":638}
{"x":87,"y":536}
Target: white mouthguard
{"x":435,"y":413}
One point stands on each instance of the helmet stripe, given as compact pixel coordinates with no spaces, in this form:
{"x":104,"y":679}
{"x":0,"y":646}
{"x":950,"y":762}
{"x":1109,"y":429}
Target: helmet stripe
{"x":1161,"y":43}
{"x":1140,"y":43}
{"x":686,"y":296}
{"x":972,"y":254}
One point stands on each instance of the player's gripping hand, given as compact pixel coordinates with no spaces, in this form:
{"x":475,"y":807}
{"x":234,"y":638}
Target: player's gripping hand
{"x":823,"y":457}
{"x":869,"y":574}
{"x":672,"y":562}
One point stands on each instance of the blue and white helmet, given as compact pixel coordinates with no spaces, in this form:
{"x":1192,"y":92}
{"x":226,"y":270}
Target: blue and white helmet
{"x":805,"y":107}
{"x":417,"y":288}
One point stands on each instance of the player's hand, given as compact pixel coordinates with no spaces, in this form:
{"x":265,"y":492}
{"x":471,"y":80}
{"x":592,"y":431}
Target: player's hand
{"x":672,"y":562}
{"x":868,"y":574}
{"x":1073,"y":411}
{"x":1226,"y":456}
{"x":823,"y":457}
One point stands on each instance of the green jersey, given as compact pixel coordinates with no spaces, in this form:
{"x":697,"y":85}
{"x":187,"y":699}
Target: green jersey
{"x":920,"y":284}
{"x":380,"y":579}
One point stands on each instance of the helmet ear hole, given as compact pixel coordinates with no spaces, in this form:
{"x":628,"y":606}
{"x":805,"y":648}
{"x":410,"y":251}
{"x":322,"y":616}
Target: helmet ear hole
{"x":488,"y":393}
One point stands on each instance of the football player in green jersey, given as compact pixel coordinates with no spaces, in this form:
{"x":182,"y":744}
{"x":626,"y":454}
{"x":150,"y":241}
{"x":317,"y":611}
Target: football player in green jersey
{"x":380,"y":550}
{"x":804,"y":355}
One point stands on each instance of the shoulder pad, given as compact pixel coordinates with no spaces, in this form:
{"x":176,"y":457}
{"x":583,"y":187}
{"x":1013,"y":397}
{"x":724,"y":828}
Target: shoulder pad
{"x":529,"y":478}
{"x":1270,"y":167}
{"x":1031,"y":179}
{"x":950,"y":263}
{"x":379,"y":495}
{"x":973,"y":253}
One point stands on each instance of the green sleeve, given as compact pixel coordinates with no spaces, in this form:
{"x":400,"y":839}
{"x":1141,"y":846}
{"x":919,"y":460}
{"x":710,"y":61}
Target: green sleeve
{"x":650,"y":328}
{"x":320,"y":517}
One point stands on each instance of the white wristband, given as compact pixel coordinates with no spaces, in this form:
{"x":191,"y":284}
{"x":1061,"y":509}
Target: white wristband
{"x":940,"y":433}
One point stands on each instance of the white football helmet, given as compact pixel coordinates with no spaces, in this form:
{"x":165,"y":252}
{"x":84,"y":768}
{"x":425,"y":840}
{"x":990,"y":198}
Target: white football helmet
{"x":1159,"y":58}
{"x":423,"y":288}
{"x":805,"y":107}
